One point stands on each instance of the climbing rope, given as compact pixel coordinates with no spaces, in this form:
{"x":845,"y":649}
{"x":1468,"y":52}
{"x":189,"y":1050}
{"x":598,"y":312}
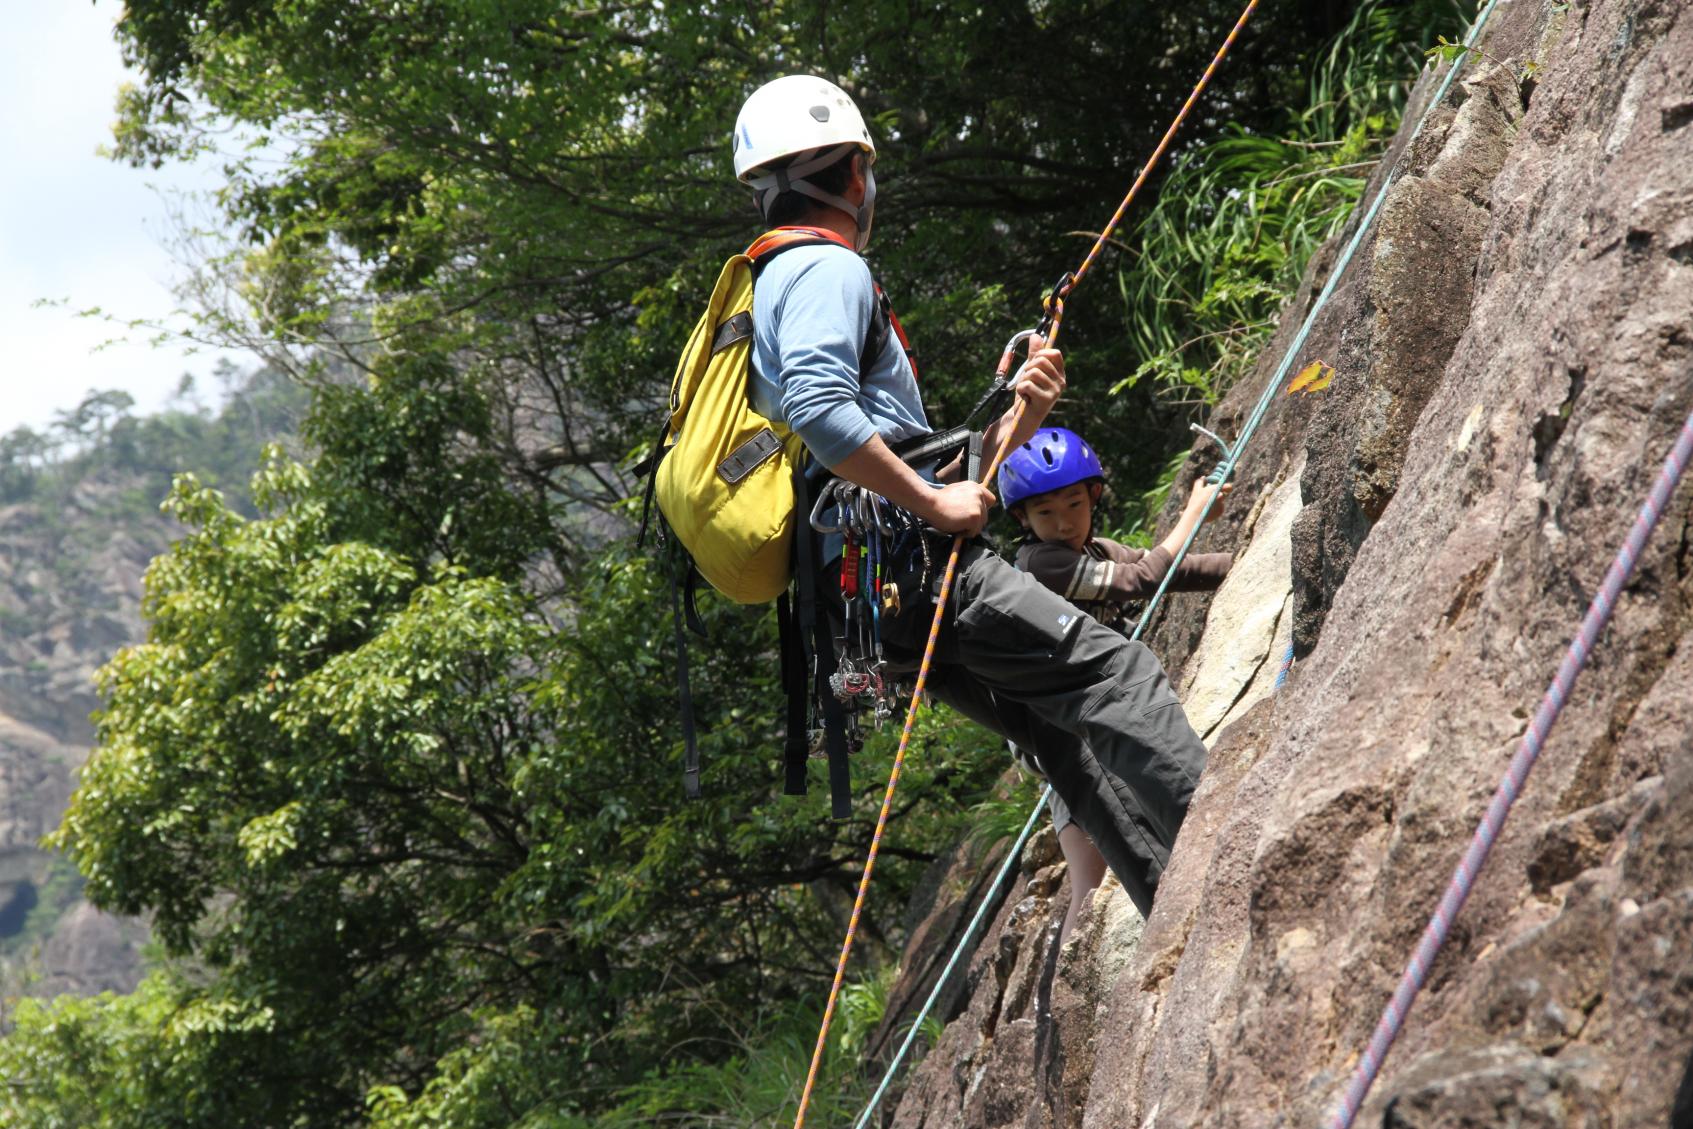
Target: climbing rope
{"x":1487,"y":833}
{"x":1226,"y":469}
{"x":1055,"y":314}
{"x":916,"y":1025}
{"x":1286,"y":667}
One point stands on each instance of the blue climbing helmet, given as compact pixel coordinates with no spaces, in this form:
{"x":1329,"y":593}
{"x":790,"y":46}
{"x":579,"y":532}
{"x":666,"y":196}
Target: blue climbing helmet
{"x":1055,"y":458}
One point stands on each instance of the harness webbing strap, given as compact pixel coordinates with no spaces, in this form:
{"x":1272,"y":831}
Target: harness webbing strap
{"x":886,"y":315}
{"x":808,"y":659}
{"x":684,"y":695}
{"x":796,"y":675}
{"x":834,"y":727}
{"x":795,"y":684}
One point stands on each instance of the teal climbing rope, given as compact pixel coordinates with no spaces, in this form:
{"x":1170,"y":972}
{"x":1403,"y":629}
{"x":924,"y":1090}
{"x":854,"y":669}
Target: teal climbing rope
{"x":1222,"y":474}
{"x":958,"y":951}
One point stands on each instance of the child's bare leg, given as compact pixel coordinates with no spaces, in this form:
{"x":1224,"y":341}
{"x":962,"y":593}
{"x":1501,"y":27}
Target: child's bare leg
{"x":1087,"y":870}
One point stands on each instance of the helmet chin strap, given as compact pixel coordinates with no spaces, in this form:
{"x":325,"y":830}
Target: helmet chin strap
{"x":866,"y":214}
{"x":792,"y":179}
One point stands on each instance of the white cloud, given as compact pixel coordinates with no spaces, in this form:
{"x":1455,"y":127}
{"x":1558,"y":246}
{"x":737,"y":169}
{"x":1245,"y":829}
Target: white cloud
{"x":77,"y":227}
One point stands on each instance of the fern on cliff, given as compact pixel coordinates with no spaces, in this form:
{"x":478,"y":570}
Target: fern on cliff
{"x":1225,"y":244}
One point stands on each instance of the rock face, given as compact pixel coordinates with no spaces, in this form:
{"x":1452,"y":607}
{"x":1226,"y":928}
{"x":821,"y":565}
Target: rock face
{"x":1514,"y":349}
{"x":70,"y":595}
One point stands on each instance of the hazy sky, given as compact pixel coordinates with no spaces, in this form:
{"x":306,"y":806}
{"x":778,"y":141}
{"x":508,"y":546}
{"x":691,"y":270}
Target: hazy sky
{"x":76,"y":226}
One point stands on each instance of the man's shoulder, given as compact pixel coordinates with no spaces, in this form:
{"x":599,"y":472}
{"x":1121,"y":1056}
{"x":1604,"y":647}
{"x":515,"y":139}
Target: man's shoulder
{"x":825,"y":262}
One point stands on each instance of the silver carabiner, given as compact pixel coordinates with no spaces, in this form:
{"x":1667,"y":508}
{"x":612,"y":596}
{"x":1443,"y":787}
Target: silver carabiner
{"x":824,"y":496}
{"x":869,"y":512}
{"x":1009,"y":355}
{"x":876,"y":503}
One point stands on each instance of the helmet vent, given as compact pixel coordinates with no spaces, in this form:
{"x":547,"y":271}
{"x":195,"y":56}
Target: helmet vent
{"x":821,"y":113}
{"x":1046,"y":453}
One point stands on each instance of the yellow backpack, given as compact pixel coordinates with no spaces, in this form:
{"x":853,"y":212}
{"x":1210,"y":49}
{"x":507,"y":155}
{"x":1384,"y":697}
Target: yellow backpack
{"x":725,"y":477}
{"x":725,"y":481}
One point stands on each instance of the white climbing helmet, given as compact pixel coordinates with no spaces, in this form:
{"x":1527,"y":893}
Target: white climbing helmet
{"x":790,"y":128}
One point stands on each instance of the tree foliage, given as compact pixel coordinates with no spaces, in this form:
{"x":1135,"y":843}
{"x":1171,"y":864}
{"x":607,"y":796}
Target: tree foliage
{"x":1227,"y":241}
{"x":102,"y":436}
{"x":553,"y":185}
{"x":381,"y":799}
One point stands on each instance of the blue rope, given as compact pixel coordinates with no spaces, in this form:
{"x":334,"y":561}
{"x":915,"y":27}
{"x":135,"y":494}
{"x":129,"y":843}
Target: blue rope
{"x":1463,"y":878}
{"x":1286,"y":667}
{"x":1222,"y":474}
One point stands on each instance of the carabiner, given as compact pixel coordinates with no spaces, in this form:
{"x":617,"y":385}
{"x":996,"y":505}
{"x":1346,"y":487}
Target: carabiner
{"x":1053,"y":305}
{"x":830,"y":489}
{"x":1010,"y":354}
{"x":870,"y":512}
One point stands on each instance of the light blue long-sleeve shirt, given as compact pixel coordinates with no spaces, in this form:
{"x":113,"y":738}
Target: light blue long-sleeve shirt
{"x":811,"y":310}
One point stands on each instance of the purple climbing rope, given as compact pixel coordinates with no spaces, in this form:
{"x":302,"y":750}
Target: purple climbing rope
{"x":1463,"y":879}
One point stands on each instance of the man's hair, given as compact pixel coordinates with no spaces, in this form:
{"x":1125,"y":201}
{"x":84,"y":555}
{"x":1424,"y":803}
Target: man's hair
{"x":793,"y":207}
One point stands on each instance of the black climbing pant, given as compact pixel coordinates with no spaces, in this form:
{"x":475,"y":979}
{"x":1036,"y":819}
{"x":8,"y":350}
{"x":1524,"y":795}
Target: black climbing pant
{"x":1096,"y":708}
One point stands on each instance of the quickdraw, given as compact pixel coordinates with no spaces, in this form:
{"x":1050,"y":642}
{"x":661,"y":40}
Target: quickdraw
{"x":869,"y":527}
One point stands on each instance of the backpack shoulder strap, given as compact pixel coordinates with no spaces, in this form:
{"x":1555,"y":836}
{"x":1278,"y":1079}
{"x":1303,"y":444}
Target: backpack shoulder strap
{"x":777,"y":240}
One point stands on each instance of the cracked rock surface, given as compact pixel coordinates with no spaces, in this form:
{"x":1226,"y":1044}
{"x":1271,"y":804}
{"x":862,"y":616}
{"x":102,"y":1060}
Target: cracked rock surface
{"x":1514,"y":355}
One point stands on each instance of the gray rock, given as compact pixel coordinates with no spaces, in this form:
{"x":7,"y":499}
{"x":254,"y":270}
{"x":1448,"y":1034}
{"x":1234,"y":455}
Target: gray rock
{"x":70,"y":596}
{"x":1514,"y":354}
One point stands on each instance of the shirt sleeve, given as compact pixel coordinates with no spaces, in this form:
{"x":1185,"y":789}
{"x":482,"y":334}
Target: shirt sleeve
{"x":1122,"y":574}
{"x":1202,"y":572}
{"x":825,"y":313}
{"x":1139,"y":572}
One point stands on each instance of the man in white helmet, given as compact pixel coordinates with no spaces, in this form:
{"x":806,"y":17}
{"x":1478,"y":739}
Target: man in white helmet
{"x":1012,"y":654}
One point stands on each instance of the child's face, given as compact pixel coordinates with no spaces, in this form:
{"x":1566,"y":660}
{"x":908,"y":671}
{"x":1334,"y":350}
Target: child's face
{"x":1064,"y":515}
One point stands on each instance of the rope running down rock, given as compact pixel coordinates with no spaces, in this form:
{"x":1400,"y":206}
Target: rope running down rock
{"x":1487,"y":832}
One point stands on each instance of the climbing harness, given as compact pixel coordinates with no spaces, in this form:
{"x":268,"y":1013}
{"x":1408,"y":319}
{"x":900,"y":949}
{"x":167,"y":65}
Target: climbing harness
{"x":1232,"y":453}
{"x":872,"y":531}
{"x":1051,"y":324}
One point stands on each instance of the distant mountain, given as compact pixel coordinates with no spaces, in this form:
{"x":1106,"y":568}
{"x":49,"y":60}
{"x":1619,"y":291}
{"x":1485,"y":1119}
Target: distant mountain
{"x":79,"y":522}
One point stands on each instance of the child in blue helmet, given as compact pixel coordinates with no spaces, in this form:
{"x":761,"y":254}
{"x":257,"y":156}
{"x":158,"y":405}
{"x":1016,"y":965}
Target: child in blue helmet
{"x":1052,"y":485}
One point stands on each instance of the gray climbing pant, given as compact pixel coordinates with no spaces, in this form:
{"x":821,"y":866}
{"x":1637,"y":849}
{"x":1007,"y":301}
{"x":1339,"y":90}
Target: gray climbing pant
{"x":1096,"y":708}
